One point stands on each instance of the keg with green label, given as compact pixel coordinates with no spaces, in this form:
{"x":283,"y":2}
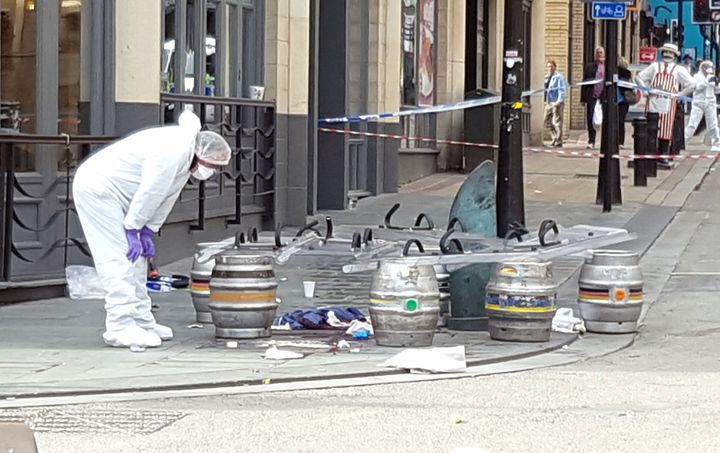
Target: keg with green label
{"x":404,"y":304}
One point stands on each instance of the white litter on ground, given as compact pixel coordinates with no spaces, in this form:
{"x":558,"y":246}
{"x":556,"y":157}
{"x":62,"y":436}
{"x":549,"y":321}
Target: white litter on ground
{"x":273,"y":353}
{"x":565,"y":321}
{"x":433,"y":360}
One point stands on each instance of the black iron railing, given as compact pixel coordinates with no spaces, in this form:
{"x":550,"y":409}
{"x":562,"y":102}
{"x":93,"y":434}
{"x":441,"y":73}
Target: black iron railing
{"x":55,"y":182}
{"x":248,"y":183}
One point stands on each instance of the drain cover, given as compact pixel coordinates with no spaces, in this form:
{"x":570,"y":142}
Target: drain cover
{"x":93,"y":421}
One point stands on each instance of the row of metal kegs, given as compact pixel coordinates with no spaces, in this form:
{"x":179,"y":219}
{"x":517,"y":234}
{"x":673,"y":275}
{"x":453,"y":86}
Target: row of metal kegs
{"x":237,"y":292}
{"x":406,"y":302}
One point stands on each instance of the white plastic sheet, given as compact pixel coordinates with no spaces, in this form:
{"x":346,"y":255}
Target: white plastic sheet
{"x":434,"y":360}
{"x":565,"y":321}
{"x":83,"y":283}
{"x":598,"y":115}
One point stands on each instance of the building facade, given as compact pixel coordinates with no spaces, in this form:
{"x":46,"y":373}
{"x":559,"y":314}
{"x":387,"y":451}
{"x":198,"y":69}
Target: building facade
{"x":261,"y":72}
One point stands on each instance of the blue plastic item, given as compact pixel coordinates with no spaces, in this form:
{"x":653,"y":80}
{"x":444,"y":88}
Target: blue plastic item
{"x":361,"y":335}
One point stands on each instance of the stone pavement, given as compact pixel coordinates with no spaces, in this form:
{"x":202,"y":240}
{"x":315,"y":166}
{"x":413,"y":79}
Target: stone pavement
{"x":53,"y":347}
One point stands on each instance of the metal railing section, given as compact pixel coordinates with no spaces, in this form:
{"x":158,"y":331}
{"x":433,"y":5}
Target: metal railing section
{"x":10,"y":185}
{"x":249,"y":127}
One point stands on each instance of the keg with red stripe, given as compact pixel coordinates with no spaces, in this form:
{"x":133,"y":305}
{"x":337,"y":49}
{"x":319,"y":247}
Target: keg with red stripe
{"x":611,"y":292}
{"x":243,"y":298}
{"x":200,"y":284}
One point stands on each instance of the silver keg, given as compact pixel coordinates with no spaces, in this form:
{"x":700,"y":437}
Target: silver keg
{"x":200,"y":284}
{"x":611,"y":292}
{"x":443,"y":280}
{"x":404,"y":304}
{"x":243,"y":298}
{"x":520,"y":301}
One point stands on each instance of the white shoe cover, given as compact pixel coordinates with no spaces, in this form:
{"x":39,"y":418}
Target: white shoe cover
{"x":132,"y":336}
{"x":164,"y":332}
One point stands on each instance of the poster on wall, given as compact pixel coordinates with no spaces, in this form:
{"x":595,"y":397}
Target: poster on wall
{"x":426,"y":54}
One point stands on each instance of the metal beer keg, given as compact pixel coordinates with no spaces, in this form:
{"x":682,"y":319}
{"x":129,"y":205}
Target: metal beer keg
{"x":243,"y":295}
{"x":443,"y":280}
{"x":611,"y":292}
{"x":404,"y":304}
{"x":520,"y":301}
{"x":200,"y":284}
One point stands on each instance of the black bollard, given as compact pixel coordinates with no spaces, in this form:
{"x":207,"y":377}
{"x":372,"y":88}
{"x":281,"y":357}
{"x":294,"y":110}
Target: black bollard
{"x":651,"y":147}
{"x":639,"y":143}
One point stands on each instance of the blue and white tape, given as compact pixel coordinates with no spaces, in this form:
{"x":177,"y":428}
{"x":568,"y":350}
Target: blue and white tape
{"x":434,"y":109}
{"x":462,"y":105}
{"x":528,"y":93}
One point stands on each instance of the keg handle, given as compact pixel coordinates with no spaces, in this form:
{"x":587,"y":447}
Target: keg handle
{"x":329,"y":227}
{"x":252,"y":235}
{"x":308,"y":227}
{"x":445,"y":248}
{"x":388,"y":218}
{"x":422,"y":216}
{"x":545,"y":227}
{"x":356,"y":243}
{"x":455,"y":220}
{"x":367,"y":236}
{"x":239,"y":239}
{"x":516,"y":231}
{"x":410,"y":243}
{"x":278,"y":236}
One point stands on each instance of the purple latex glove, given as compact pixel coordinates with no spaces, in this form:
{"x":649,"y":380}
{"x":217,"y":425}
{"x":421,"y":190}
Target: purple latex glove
{"x":146,"y":239}
{"x":134,"y":245}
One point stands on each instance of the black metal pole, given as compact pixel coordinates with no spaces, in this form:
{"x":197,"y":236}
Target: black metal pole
{"x":681,"y":7}
{"x":639,"y":143}
{"x":608,"y":189}
{"x":651,"y":147}
{"x":510,"y":205}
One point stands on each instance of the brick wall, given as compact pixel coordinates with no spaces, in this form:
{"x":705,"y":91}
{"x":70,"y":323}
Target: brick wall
{"x":557,"y":40}
{"x":577,"y":21}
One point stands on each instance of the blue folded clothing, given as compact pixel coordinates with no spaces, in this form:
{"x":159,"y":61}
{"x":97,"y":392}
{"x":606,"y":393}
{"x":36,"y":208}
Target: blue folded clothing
{"x":317,"y":318}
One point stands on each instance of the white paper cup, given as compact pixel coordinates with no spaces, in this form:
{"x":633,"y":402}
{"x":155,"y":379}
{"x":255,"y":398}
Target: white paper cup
{"x":309,"y":288}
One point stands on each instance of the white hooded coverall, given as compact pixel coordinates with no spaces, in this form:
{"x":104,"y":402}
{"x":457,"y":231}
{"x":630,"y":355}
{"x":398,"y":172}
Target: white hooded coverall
{"x":130,"y":184}
{"x":704,"y":104}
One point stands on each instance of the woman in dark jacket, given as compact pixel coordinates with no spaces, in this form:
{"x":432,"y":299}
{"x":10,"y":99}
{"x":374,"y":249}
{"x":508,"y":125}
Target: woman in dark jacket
{"x":623,"y":107}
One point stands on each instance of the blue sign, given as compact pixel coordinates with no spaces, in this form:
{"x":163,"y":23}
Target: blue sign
{"x":608,"y":10}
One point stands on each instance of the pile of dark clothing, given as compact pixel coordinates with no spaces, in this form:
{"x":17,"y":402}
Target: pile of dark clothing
{"x":320,"y":318}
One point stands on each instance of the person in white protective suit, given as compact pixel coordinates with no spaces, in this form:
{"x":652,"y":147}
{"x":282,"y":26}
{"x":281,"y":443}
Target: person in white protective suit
{"x":705,"y":104}
{"x":123,"y":194}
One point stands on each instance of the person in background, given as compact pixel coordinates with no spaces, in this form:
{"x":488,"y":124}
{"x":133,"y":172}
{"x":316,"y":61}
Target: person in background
{"x":625,"y":98}
{"x":705,"y":104}
{"x":556,"y":91}
{"x":669,"y":79}
{"x":688,"y":64}
{"x":590,"y":94}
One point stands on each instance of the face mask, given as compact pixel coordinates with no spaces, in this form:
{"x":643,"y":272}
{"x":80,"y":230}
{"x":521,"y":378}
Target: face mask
{"x":203,"y":173}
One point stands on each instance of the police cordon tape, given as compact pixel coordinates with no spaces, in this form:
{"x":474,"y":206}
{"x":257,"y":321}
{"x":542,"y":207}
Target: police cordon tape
{"x":462,"y":105}
{"x":527,"y":148}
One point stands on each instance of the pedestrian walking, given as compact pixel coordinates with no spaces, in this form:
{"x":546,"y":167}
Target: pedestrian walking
{"x":688,"y":64}
{"x":591,"y":94}
{"x":123,"y":194}
{"x":705,"y":104}
{"x":555,"y":94}
{"x":668,"y":79}
{"x":626,"y":98}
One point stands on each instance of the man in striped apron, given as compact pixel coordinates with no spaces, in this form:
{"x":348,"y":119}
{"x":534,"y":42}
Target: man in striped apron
{"x":671,"y":78}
